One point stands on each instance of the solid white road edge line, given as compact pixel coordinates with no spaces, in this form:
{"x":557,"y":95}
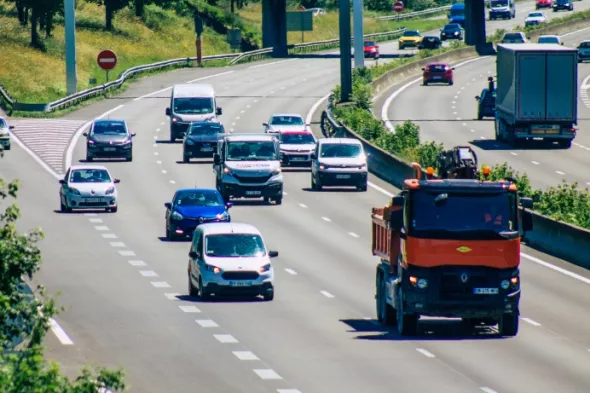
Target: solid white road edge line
{"x":273,"y":63}
{"x":487,"y":390}
{"x":426,"y":353}
{"x":61,"y":334}
{"x":556,"y":268}
{"x":534,"y":323}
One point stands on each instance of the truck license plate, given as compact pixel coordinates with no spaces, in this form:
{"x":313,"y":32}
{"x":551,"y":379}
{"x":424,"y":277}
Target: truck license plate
{"x":253,"y":192}
{"x":240,"y":283}
{"x":342,"y":176}
{"x":91,"y":199}
{"x":110,"y":148}
{"x":297,"y":158}
{"x":485,"y":291}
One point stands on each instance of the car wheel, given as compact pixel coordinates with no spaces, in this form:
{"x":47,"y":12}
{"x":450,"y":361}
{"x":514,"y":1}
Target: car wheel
{"x":130,"y":158}
{"x":172,"y":138}
{"x":278,"y":201}
{"x":114,"y":209}
{"x":425,"y":83}
{"x":63,"y":207}
{"x":202,"y":293}
{"x":185,"y":159}
{"x":7,"y":147}
{"x":269,"y":296}
{"x":192,"y":291}
{"x":451,"y":83}
{"x":89,"y":159}
{"x":315,"y":184}
{"x":362,"y":188}
{"x":170,"y":235}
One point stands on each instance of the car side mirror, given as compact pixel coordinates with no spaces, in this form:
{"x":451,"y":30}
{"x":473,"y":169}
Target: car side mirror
{"x":133,"y":134}
{"x":307,"y":124}
{"x":314,"y":155}
{"x":62,"y":181}
{"x":218,"y":111}
{"x":11,"y":127}
{"x":167,"y":111}
{"x":527,"y":222}
{"x":85,"y":134}
{"x":228,"y":205}
{"x":562,"y":43}
{"x":116,"y":181}
{"x":423,"y":69}
{"x":527,"y":203}
{"x":168,"y":205}
{"x":397,"y":201}
{"x":273,"y":254}
{"x":477,"y":98}
{"x":216,"y":159}
{"x":265,"y":124}
{"x":528,"y":38}
{"x":193,"y":255}
{"x":453,"y":68}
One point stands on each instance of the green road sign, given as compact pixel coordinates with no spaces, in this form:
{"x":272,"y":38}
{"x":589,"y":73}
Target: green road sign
{"x":198,"y":24}
{"x":234,"y":38}
{"x":300,"y":21}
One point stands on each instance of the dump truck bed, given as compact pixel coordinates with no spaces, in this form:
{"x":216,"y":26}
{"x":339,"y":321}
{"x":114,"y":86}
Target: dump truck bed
{"x":384,"y":239}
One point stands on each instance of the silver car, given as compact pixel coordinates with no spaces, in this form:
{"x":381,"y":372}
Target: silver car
{"x":339,"y":162}
{"x":4,"y":134}
{"x":285,"y":122}
{"x":88,"y":187}
{"x":296,"y":148}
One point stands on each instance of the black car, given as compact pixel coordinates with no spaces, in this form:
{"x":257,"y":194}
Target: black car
{"x":430,"y":42}
{"x":201,"y":139}
{"x":567,"y":5}
{"x":451,"y":31}
{"x":486,"y":102}
{"x":109,"y":139}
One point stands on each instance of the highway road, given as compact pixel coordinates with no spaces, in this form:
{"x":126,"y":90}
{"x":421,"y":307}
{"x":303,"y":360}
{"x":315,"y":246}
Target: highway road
{"x":448,"y":114}
{"x":125,"y":287}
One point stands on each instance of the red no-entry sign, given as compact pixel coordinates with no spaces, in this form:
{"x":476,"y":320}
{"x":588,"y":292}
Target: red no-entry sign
{"x":398,"y":6}
{"x":107,"y":60}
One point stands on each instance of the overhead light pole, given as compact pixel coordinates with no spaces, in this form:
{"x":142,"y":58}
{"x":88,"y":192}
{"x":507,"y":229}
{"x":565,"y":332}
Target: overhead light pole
{"x":359,"y":54}
{"x":70,"y":35}
{"x":345,"y":49}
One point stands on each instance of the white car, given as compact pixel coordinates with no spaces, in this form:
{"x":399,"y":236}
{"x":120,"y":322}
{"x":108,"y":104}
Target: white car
{"x":339,"y":162}
{"x":230,"y":259}
{"x":549,"y":39}
{"x":285,"y":122}
{"x":4,"y":134}
{"x":535,"y":18}
{"x":514,"y":38}
{"x":88,"y":187}
{"x":297,"y":148}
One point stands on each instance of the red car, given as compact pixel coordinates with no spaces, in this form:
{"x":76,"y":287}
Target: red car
{"x":438,"y":73}
{"x":544,"y":4}
{"x":371,"y":49}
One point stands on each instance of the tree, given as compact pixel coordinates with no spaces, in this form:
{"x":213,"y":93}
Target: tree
{"x":24,"y":317}
{"x":110,"y":8}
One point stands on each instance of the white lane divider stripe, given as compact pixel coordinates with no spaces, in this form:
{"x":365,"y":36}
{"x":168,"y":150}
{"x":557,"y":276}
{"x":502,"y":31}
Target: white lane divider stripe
{"x":245,"y":355}
{"x":160,"y":284}
{"x":560,"y":173}
{"x":288,"y":391}
{"x":353,"y":234}
{"x":327,"y":294}
{"x":534,"y":323}
{"x":225,"y":338}
{"x":172,"y":182}
{"x":148,"y":273}
{"x":267,"y":374}
{"x":426,"y":353}
{"x":189,"y":309}
{"x":291,"y":271}
{"x":164,"y":171}
{"x":556,"y":268}
{"x":109,"y":236}
{"x":61,"y":334}
{"x":172,"y":296}
{"x":302,"y":205}
{"x":326,"y":219}
{"x":137,"y":263}
{"x":95,"y":220}
{"x":487,"y":390}
{"x":534,"y":162}
{"x":101,"y":228}
{"x":117,"y":244}
{"x":90,"y":214}
{"x":207,"y":323}
{"x":127,"y":253}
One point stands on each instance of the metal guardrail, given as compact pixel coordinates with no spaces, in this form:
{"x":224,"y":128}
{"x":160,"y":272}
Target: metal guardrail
{"x":329,"y":125}
{"x":416,"y":14}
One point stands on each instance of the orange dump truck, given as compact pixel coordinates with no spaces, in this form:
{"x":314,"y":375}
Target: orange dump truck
{"x":450,"y":248}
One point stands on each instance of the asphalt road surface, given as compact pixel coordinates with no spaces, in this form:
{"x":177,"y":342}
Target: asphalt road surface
{"x":125,"y":287}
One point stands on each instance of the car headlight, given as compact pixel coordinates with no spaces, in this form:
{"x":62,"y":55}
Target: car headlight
{"x":363,"y":167}
{"x":323,"y":167}
{"x":127,"y":142}
{"x":214,"y":269}
{"x":176,"y":216}
{"x":90,"y":142}
{"x":265,"y":268}
{"x":110,"y":191}
{"x":456,"y":33}
{"x":189,"y":142}
{"x":74,"y":191}
{"x":505,"y":284}
{"x":276,"y":172}
{"x":226,"y":171}
{"x":223,"y":216}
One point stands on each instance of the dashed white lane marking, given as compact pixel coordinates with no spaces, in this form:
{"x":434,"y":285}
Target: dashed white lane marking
{"x":302,"y":205}
{"x":513,"y":153}
{"x":255,"y":100}
{"x":156,"y":153}
{"x":225,"y":338}
{"x":162,"y":123}
{"x":454,"y":102}
{"x":164,"y":171}
{"x":458,"y":118}
{"x":326,"y":219}
{"x":288,"y":391}
{"x":109,"y":236}
{"x":137,"y":263}
{"x":237,"y":117}
{"x":560,"y":173}
{"x":155,"y":145}
{"x":172,"y":296}
{"x":327,"y":294}
{"x":157,"y":130}
{"x":455,"y":97}
{"x":159,"y":162}
{"x":284,"y":193}
{"x":95,"y":220}
{"x":242,"y":111}
{"x":464,"y":124}
{"x":90,"y":214}
{"x":353,"y":234}
{"x":190,"y":309}
{"x":247,"y":106}
{"x":155,"y":137}
{"x":127,"y":253}
{"x":472,"y":130}
{"x":148,"y":273}
{"x":426,"y":353}
{"x":487,"y":390}
{"x":534,"y":162}
{"x":453,"y":107}
{"x":482,"y":137}
{"x":207,"y":323}
{"x":101,"y":228}
{"x":117,"y":244}
{"x":61,"y":334}
{"x":291,"y":271}
{"x":245,"y":355}
{"x":454,"y":113}
{"x":267,"y":374}
{"x":160,"y":284}
{"x":172,"y":182}
{"x":534,"y":323}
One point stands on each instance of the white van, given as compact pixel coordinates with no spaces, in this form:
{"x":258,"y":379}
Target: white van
{"x":188,"y":103}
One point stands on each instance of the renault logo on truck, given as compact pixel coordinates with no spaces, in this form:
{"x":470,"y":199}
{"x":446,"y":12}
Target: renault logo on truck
{"x":464,"y":278}
{"x":464,"y":249}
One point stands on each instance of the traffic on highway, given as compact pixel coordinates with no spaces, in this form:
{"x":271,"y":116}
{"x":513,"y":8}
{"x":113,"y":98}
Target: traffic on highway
{"x":217,"y":241}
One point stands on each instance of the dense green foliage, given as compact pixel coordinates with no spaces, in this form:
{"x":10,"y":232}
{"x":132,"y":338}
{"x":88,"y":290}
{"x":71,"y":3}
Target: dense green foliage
{"x":25,"y":316}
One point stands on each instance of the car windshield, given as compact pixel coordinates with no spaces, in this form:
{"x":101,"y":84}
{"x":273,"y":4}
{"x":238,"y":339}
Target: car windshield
{"x":369,"y":43}
{"x":457,"y":12}
{"x":234,"y":246}
{"x":512,"y":36}
{"x":3,"y":124}
{"x":297,"y":139}
{"x":548,"y":40}
{"x":499,"y":3}
{"x":536,"y":15}
{"x":198,"y":198}
{"x":451,"y":26}
{"x":411,"y":33}
{"x":340,"y":150}
{"x":90,"y":176}
{"x":251,"y":151}
{"x":206,"y":129}
{"x":437,"y":68}
{"x":194,"y":105}
{"x":445,"y":214}
{"x":286,"y":121}
{"x":109,"y":128}
{"x":585,"y":44}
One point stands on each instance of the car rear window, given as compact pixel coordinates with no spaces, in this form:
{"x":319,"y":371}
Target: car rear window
{"x":437,"y":68}
{"x":512,"y":36}
{"x":369,"y":43}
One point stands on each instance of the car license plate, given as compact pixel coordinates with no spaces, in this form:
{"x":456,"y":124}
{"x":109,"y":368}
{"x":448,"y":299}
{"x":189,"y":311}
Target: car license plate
{"x":91,"y":199}
{"x":436,"y":77}
{"x":342,"y":176}
{"x":298,"y":158}
{"x":485,"y":291}
{"x":253,"y":192}
{"x":206,"y":149}
{"x":110,"y":148}
{"x":240,"y":283}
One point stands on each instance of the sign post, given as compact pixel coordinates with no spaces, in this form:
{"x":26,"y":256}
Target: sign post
{"x":107,"y":60}
{"x":398,"y":7}
{"x":359,"y":53}
{"x":199,"y":31}
{"x":70,"y":32}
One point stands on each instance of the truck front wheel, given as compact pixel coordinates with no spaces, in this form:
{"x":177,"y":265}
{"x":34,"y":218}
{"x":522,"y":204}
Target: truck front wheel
{"x":407,"y":324}
{"x":508,"y":325}
{"x":385,"y":313}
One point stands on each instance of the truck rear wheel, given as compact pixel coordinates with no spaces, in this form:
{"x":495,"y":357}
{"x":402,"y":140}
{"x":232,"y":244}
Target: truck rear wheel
{"x":508,"y":325}
{"x":407,"y":324}
{"x":385,"y":313}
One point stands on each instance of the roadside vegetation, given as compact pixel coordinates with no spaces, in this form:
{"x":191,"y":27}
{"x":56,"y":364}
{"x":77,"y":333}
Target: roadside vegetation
{"x":25,"y":316}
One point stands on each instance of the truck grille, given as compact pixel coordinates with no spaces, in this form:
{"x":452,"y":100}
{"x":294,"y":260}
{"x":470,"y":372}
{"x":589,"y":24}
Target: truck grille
{"x":452,"y":287}
{"x":246,"y":275}
{"x":252,"y":179}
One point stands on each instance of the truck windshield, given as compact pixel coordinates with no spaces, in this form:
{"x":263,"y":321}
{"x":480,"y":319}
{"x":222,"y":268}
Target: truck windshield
{"x":251,"y":151}
{"x":457,"y":12}
{"x":499,"y":3}
{"x":436,"y":214}
{"x":194,"y":105}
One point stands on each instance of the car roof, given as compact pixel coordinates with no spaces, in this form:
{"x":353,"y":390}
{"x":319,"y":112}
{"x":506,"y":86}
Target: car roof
{"x":108,"y":121}
{"x":83,"y":167}
{"x":249,"y":137}
{"x":192,"y":90}
{"x":549,"y":36}
{"x":293,"y":132}
{"x":345,"y":141}
{"x":286,"y":115}
{"x":180,"y":190}
{"x":228,"y":228}
{"x":438,"y":63}
{"x":536,"y":47}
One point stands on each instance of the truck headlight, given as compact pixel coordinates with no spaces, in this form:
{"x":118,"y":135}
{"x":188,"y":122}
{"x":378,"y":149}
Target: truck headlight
{"x":110,"y":191}
{"x":422,"y":283}
{"x":505,"y":284}
{"x":176,"y":216}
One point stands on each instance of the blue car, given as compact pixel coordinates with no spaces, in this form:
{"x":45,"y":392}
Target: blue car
{"x":191,"y":207}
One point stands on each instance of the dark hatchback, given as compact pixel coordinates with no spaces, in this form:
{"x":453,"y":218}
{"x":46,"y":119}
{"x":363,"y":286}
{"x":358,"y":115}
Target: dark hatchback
{"x":559,"y":5}
{"x":486,"y":104}
{"x":451,"y":31}
{"x":191,"y":207}
{"x":109,"y":139}
{"x":430,"y":42}
{"x":200,"y":140}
